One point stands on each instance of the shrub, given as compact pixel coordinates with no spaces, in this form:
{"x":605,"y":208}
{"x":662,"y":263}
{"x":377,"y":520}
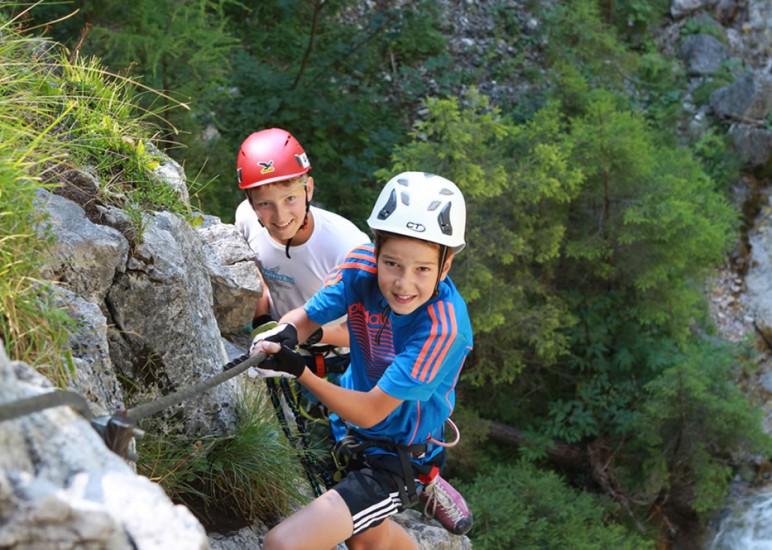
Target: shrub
{"x":520,"y":506}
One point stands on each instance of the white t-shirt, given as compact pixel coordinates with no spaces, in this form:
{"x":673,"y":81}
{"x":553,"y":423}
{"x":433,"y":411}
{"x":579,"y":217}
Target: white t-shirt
{"x":292,"y":281}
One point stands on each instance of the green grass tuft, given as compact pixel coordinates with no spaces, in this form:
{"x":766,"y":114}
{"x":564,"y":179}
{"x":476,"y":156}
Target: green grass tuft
{"x":227,"y":481}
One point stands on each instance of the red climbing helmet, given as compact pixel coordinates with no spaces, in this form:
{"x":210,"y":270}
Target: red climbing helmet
{"x":269,"y":156}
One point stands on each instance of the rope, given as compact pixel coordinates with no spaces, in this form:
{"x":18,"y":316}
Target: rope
{"x":118,"y":429}
{"x":310,"y":459}
{"x":58,"y":398}
{"x":450,"y":443}
{"x":242,"y":364}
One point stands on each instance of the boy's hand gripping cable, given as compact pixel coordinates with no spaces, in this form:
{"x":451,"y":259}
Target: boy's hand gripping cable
{"x":286,"y":363}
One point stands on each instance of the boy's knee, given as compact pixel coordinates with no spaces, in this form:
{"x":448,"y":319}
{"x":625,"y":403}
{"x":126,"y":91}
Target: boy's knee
{"x":275,"y":541}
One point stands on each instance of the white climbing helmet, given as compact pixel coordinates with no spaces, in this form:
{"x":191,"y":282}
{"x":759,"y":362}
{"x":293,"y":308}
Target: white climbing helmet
{"x":423,"y":206}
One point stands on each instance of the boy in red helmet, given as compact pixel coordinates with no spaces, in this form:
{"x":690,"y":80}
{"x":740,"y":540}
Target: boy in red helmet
{"x":295,"y":244}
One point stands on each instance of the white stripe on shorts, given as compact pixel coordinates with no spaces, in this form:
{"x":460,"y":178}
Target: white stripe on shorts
{"x":380,"y":510}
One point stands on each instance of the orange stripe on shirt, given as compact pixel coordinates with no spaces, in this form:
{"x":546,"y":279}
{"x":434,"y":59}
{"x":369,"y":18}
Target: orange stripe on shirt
{"x":353,"y":255}
{"x":357,"y":265}
{"x":333,"y":279}
{"x":417,"y":423}
{"x":448,"y":343}
{"x":441,"y":348}
{"x":436,"y":344}
{"x":429,"y":350}
{"x":427,"y":346}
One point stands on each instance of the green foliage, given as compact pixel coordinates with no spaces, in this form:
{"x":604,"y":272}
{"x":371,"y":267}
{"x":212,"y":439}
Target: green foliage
{"x":724,"y":76}
{"x":694,"y":423}
{"x":110,"y":132}
{"x":182,"y":48}
{"x":717,"y":155}
{"x":233,"y":479}
{"x":340,"y":88}
{"x":32,"y":328}
{"x":703,"y":25}
{"x":57,"y":113}
{"x":661,"y":80}
{"x":578,"y":37}
{"x":517,"y":181}
{"x":648,"y":221}
{"x":634,"y":19}
{"x":612,"y":358}
{"x":519,"y":506}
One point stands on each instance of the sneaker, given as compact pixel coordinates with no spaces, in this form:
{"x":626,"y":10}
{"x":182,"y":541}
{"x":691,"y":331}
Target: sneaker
{"x":446,"y":505}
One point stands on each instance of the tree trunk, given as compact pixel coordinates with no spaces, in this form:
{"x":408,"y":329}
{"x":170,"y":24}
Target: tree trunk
{"x":561,"y":453}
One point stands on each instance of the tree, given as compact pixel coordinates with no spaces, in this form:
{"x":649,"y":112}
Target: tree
{"x":517,"y":182}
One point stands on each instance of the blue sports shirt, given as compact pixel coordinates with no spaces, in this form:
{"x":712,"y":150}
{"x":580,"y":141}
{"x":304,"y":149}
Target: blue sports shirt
{"x":415,"y":357}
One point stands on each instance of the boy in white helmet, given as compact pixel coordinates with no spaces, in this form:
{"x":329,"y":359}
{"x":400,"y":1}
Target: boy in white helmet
{"x":409,"y":334}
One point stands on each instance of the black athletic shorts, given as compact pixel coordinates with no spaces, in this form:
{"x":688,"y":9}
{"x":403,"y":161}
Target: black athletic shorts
{"x":371,"y":491}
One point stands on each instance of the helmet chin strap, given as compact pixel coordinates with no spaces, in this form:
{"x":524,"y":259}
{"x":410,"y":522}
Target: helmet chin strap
{"x":305,"y":223}
{"x":443,"y":257}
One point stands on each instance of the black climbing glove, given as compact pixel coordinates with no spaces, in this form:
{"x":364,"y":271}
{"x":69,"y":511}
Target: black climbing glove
{"x":286,"y":363}
{"x":283,"y":334}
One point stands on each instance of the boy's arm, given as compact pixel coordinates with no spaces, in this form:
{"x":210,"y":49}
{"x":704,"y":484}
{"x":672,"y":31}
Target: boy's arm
{"x":336,"y":335}
{"x":363,"y":409}
{"x":263,"y":306}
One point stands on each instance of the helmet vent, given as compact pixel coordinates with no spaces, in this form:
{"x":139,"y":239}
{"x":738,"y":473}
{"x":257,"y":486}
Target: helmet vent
{"x":389,"y":207}
{"x":405,"y":198}
{"x":433,"y":206}
{"x":445,"y":191}
{"x":443,"y":218}
{"x":403,"y":181}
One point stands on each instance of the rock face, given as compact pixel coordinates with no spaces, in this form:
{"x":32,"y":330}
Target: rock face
{"x":231,"y":266}
{"x":60,"y":487}
{"x":758,"y":279}
{"x":150,"y":313}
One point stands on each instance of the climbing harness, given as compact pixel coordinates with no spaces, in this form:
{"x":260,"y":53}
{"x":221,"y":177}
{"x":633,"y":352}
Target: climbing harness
{"x":117,"y":430}
{"x":326,"y":359}
{"x":349,"y":450}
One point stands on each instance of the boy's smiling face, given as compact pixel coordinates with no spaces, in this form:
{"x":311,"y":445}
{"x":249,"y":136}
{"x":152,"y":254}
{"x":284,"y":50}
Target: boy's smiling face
{"x":281,"y":207}
{"x":408,"y":271}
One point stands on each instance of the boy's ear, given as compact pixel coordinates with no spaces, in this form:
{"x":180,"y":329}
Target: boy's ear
{"x":446,"y":266}
{"x":310,"y":188}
